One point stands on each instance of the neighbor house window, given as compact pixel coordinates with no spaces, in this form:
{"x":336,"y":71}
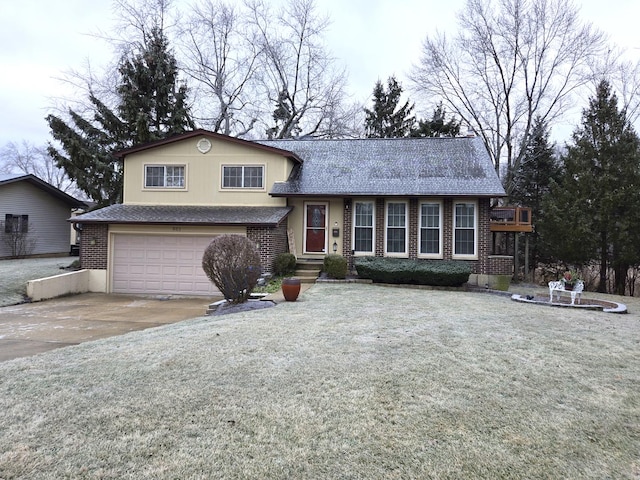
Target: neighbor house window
{"x":242,"y":176}
{"x":464,"y":227}
{"x":16,"y":223}
{"x":430,"y":229}
{"x":363,"y":227}
{"x":396,"y":233}
{"x":164,"y":176}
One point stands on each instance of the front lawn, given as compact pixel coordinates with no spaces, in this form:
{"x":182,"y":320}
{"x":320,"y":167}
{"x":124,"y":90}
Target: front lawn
{"x":350,"y":382}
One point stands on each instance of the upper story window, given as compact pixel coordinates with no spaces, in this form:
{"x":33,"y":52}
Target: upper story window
{"x":242,"y":176}
{"x":430,"y":229}
{"x":164,"y":176}
{"x":464,"y":229}
{"x":363,"y":226}
{"x":396,"y":231}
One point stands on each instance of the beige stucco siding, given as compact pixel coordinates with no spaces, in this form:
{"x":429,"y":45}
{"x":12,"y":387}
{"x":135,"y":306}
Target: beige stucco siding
{"x":203,"y":172}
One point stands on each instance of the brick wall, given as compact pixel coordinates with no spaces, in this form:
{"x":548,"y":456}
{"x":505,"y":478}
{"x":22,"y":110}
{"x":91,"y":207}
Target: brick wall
{"x":347,"y":227}
{"x":500,"y":265}
{"x":273,"y":241}
{"x":94,"y":246}
{"x":480,"y":266}
{"x":414,"y":225}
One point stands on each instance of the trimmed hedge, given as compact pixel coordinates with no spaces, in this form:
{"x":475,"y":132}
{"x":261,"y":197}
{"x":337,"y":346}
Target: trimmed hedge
{"x":447,"y":273}
{"x":335,"y":266}
{"x":285,"y":264}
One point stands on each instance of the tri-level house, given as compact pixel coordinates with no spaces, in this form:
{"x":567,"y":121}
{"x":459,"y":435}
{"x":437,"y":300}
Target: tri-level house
{"x":420,"y":198}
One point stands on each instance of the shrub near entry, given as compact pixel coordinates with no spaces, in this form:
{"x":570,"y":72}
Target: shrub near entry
{"x":335,"y":266}
{"x":285,"y":264}
{"x":447,"y":273}
{"x":232,"y":263}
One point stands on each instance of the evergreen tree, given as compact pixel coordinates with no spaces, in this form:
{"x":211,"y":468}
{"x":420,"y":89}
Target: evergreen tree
{"x":595,"y":208}
{"x":438,"y":126}
{"x":151,"y":106}
{"x":386,"y":120}
{"x":153,"y":103}
{"x":532,"y":184}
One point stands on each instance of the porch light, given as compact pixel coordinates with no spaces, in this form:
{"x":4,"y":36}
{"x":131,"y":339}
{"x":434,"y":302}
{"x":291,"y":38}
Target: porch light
{"x":335,"y":247}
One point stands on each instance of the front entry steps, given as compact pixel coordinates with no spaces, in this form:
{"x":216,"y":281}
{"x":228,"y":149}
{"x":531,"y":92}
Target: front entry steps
{"x":308,"y":269}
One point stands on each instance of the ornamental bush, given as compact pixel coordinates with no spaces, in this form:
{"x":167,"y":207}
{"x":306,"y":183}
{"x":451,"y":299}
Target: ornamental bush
{"x":285,"y":264}
{"x":232,"y":263}
{"x":448,"y":273}
{"x":335,"y":266}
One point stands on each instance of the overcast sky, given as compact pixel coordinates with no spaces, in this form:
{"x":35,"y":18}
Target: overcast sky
{"x":40,"y":40}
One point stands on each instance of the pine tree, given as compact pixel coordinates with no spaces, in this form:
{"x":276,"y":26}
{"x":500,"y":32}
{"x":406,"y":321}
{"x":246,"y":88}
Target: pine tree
{"x":438,"y":126}
{"x":596,"y":206}
{"x":151,"y":106}
{"x":386,"y":120}
{"x":532,"y":184}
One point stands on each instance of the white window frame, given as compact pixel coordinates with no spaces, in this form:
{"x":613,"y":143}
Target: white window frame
{"x":373,"y":228}
{"x":439,"y":254}
{"x":242,"y":166}
{"x":455,"y":255}
{"x":164,"y":177}
{"x":404,"y":254}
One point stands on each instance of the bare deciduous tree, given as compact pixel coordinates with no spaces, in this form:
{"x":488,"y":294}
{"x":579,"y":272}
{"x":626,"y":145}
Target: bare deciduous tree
{"x":221,"y":58}
{"x":299,"y":77}
{"x":511,"y":60}
{"x":28,"y":159}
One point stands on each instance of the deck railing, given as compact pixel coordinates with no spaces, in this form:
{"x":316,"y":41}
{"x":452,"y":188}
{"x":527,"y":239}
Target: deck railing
{"x":510,"y":219}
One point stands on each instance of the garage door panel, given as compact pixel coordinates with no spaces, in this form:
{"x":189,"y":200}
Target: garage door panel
{"x":157,"y":264}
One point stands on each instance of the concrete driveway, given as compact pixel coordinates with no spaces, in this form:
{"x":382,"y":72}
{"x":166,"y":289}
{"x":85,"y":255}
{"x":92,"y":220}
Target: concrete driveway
{"x":32,"y":328}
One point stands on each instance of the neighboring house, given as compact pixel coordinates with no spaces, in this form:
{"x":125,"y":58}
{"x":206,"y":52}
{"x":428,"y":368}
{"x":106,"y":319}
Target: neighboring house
{"x":410,"y":198}
{"x":34,"y":216}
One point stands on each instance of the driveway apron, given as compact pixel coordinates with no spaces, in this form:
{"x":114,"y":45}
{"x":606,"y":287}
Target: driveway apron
{"x":32,"y":328}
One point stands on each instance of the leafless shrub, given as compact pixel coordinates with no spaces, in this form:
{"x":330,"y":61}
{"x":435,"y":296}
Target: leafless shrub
{"x":18,"y":240}
{"x":232,"y":263}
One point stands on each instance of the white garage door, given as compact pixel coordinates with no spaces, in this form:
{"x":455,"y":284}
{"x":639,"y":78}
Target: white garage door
{"x":160,"y":264}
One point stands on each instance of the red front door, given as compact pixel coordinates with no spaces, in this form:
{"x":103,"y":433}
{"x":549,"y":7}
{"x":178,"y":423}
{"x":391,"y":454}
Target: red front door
{"x":316,"y":228}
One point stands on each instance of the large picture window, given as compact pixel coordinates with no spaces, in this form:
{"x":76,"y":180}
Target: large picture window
{"x":464,"y":229}
{"x":242,"y":176}
{"x":430,"y":229}
{"x":164,"y":176}
{"x":363,"y":227}
{"x":396,"y":241}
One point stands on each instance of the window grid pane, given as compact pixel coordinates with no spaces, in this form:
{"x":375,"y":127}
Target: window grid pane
{"x":232,"y":177}
{"x":175,"y":176}
{"x":252,"y":177}
{"x":154,"y":177}
{"x":430,"y":229}
{"x":396,"y":232}
{"x":363,"y":227}
{"x":464,"y":229}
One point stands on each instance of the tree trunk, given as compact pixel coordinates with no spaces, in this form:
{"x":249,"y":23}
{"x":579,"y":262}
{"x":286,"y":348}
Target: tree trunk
{"x":602,"y":285}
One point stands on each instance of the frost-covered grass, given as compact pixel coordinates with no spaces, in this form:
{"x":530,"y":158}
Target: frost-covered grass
{"x":14,"y":275}
{"x":350,"y":382}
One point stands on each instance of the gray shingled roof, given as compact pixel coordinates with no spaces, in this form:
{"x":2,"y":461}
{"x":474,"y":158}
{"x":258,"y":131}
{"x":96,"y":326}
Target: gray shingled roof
{"x":395,"y":166}
{"x":161,"y":214}
{"x":6,"y":179}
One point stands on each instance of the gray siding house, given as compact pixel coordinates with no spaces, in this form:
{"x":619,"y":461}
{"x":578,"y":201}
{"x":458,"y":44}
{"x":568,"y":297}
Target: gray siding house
{"x":35,"y":213}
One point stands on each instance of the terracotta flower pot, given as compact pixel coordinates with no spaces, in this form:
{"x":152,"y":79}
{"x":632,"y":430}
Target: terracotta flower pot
{"x":291,"y":289}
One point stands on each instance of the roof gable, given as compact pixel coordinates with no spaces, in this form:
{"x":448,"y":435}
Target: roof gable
{"x":402,"y":166}
{"x":42,"y":185}
{"x":212,"y":135}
